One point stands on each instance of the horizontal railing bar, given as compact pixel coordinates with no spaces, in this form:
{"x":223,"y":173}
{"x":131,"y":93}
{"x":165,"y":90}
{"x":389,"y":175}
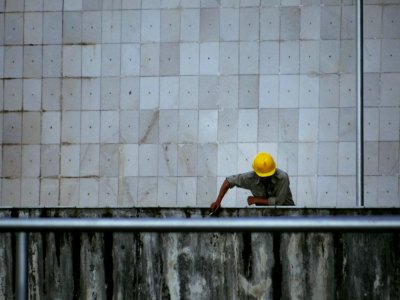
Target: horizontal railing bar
{"x":211,"y":224}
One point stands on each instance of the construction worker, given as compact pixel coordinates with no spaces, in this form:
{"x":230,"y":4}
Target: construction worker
{"x":268,"y":184}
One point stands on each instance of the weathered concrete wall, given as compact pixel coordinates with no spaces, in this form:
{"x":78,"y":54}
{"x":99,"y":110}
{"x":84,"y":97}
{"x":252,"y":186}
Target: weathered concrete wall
{"x":75,"y":265}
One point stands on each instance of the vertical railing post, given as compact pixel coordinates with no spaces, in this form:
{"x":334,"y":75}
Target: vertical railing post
{"x":21,"y":272}
{"x":360,"y":106}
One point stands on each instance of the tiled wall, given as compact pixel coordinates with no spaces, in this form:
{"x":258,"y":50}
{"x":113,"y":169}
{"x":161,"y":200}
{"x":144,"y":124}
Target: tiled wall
{"x":153,"y":103}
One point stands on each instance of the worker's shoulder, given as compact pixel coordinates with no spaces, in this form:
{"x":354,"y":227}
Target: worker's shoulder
{"x":280,"y":174}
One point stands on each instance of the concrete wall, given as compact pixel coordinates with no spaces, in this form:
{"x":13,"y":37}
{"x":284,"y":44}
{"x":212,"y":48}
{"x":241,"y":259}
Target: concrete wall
{"x":152,"y":103}
{"x":204,"y":265}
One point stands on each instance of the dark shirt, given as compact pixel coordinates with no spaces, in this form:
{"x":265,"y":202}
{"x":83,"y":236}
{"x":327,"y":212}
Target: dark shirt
{"x":277,"y":190}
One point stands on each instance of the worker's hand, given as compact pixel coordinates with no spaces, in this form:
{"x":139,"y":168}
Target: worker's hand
{"x":215,"y":206}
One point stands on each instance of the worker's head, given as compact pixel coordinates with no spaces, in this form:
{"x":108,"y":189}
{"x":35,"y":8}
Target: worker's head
{"x":264,"y":165}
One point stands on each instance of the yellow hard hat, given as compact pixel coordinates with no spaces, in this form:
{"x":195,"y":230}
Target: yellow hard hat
{"x":264,"y":164}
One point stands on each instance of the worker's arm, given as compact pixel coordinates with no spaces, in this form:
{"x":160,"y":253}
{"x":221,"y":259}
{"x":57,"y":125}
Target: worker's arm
{"x":251,"y":200}
{"x":217,"y":204}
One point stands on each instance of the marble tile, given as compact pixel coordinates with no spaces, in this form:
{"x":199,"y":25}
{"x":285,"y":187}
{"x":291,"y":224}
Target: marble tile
{"x":108,"y":192}
{"x":307,"y":159}
{"x":187,"y":160}
{"x":310,"y":22}
{"x":168,"y":160}
{"x":130,"y":26}
{"x":388,"y":157}
{"x":31,"y":128}
{"x":189,"y":58}
{"x":71,"y":92}
{"x":33,"y":25}
{"x":190,"y":24}
{"x":148,"y":159}
{"x":30,"y":193}
{"x":51,"y":94}
{"x":326,"y":191}
{"x":188,"y":126}
{"x":168,"y":126}
{"x":111,"y":26}
{"x":13,"y":61}
{"x":110,"y":59}
{"x":52,"y":27}
{"x":109,"y":160}
{"x":269,"y":91}
{"x":128,"y":192}
{"x":169,"y":59}
{"x":169,"y":92}
{"x":248,"y":125}
{"x":147,"y":192}
{"x":91,"y":26}
{"x":71,"y":127}
{"x":288,"y":125}
{"x":149,"y":92}
{"x":227,"y":125}
{"x":229,"y":58}
{"x":347,"y":158}
{"x":12,"y":161}
{"x":110,"y":93}
{"x":188,"y":92}
{"x":109,"y":126}
{"x":14,"y":28}
{"x":150,"y":27}
{"x":246,"y":153}
{"x":289,"y":57}
{"x":209,"y":25}
{"x":89,"y":160}
{"x":229,"y":92}
{"x":207,"y":157}
{"x":32,"y":94}
{"x":88,"y":192}
{"x":70,"y":160}
{"x":229,"y":24}
{"x":11,"y":192}
{"x":346,"y":193}
{"x":129,"y":160}
{"x":308,"y":125}
{"x":209,"y":58}
{"x":130,"y":59}
{"x":91,"y":60}
{"x":328,"y":158}
{"x":170,"y":25}
{"x":49,"y":192}
{"x":167,"y":191}
{"x":208,"y":92}
{"x":51,"y":127}
{"x":328,"y":124}
{"x":268,"y":125}
{"x":269,"y":23}
{"x":129,"y":126}
{"x":72,"y":27}
{"x":90,"y":127}
{"x":249,"y":28}
{"x":13,"y":94}
{"x":227,"y":159}
{"x":208,"y":126}
{"x":306,"y":191}
{"x":69,"y":192}
{"x":187,"y":191}
{"x":269,"y":57}
{"x":206,"y":191}
{"x":50,"y":160}
{"x":148,"y":126}
{"x":12,"y":128}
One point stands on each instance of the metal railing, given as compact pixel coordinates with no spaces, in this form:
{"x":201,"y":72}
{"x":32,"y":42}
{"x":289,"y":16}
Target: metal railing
{"x":261,"y":224}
